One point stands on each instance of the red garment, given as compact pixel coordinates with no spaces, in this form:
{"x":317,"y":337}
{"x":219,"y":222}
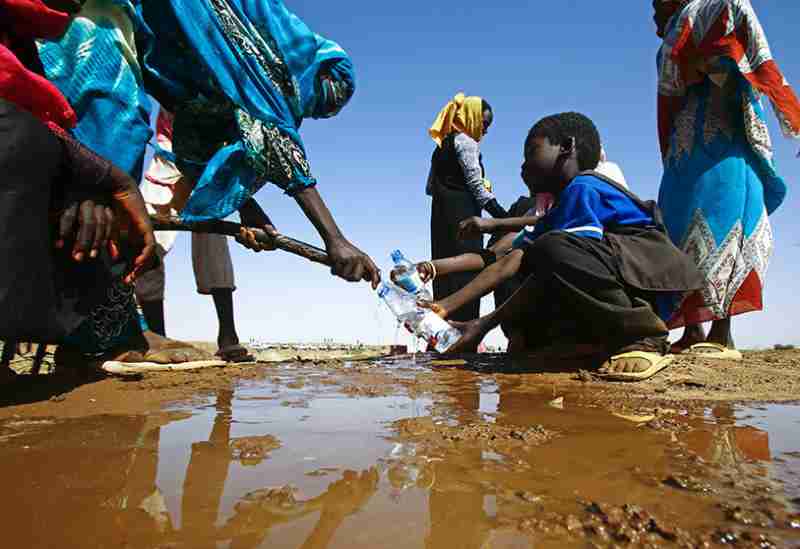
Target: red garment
{"x":21,"y":22}
{"x":706,"y":29}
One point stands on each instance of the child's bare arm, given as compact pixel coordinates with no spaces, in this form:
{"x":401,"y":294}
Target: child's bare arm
{"x":489,"y":279}
{"x":474,"y":226}
{"x":504,"y":245}
{"x":449,"y":265}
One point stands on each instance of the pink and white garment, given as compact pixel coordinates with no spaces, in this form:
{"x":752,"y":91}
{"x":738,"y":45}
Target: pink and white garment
{"x":211,"y":258}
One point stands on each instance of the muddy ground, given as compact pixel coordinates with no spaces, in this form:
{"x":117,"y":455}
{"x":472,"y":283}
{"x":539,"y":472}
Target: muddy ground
{"x":763,"y":376}
{"x":703,"y":479}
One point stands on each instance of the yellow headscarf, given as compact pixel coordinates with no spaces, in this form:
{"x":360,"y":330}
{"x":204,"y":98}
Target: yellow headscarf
{"x":462,"y":114}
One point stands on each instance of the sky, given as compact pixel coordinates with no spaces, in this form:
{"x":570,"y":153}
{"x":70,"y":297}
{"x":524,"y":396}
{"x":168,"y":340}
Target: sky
{"x":529,"y":60}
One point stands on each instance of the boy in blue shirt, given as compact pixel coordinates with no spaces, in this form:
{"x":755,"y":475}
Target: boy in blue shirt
{"x":599,"y":265}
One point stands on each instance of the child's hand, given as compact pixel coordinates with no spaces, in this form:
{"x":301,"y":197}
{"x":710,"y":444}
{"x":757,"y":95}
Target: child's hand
{"x":472,"y":334}
{"x":433,"y":306}
{"x":474,"y":226}
{"x":427,"y":271}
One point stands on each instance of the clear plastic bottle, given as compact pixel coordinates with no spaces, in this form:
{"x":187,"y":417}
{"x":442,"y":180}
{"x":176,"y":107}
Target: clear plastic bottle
{"x":424,"y":323}
{"x":405,"y":275}
{"x":402,"y":304}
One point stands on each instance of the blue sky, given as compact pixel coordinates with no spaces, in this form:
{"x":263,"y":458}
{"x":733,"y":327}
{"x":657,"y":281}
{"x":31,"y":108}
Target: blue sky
{"x":528,"y":59}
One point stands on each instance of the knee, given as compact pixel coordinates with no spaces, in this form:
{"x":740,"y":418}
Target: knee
{"x":544,"y":255}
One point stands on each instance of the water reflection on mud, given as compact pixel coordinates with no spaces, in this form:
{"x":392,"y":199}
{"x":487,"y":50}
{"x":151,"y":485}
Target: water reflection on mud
{"x":478,"y":461}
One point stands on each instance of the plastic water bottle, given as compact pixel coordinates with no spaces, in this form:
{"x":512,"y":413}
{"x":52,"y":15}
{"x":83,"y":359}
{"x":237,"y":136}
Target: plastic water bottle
{"x":406,"y":276}
{"x":403,"y":305}
{"x":436,"y":331}
{"x":424,"y":323}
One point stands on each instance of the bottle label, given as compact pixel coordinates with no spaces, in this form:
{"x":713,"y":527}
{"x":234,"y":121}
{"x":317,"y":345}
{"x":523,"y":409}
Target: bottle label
{"x":410,"y":282}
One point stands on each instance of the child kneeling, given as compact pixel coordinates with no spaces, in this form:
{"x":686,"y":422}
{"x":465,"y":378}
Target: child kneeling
{"x":600,"y":267}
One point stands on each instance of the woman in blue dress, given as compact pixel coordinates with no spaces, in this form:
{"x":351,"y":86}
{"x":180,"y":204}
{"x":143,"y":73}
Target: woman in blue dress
{"x":720,"y":183}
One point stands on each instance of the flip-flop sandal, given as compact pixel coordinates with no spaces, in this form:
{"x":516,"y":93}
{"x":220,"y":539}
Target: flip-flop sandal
{"x":657,"y":363}
{"x":115,"y":367}
{"x":713,"y":350}
{"x":235,"y":353}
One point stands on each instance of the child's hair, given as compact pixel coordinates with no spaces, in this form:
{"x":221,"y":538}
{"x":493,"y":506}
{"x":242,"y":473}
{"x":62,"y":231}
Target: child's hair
{"x":558,"y":128}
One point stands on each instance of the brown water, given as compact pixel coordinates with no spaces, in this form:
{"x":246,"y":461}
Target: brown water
{"x":474,"y":461}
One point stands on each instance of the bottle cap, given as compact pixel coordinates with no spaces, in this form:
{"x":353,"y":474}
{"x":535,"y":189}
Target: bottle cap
{"x":397,"y":256}
{"x":383,"y":289}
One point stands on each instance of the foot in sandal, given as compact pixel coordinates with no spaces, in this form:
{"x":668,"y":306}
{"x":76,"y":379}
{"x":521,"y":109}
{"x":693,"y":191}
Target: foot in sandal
{"x":637,"y":362}
{"x":236,"y":353}
{"x":149,"y":351}
{"x":713,"y":350}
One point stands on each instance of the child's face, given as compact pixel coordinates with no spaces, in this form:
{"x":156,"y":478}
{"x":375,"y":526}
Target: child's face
{"x":540,"y":170}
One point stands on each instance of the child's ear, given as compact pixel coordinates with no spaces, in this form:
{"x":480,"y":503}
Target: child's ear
{"x":568,"y":146}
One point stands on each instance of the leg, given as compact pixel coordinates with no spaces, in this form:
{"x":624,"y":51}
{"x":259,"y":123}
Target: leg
{"x":9,"y":350}
{"x":693,"y":333}
{"x":38,"y":359}
{"x":153,"y":312}
{"x":574,"y":292}
{"x":213,"y":271}
{"x":721,"y":333}
{"x":150,"y":295}
{"x":223,"y":302}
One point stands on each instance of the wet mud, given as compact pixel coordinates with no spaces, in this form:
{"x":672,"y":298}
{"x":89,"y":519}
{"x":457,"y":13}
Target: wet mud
{"x":397,"y":453}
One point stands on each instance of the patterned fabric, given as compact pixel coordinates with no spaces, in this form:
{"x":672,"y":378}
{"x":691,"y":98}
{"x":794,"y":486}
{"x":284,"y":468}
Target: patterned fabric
{"x":703,"y":40}
{"x":158,"y":187}
{"x":112,"y":321}
{"x":95,"y":66}
{"x":468,"y":153}
{"x":720,"y":183}
{"x":259,"y":66}
{"x":21,"y":79}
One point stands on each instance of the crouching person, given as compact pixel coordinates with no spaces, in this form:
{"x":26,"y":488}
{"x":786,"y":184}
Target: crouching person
{"x":65,"y":280}
{"x":599,"y":266}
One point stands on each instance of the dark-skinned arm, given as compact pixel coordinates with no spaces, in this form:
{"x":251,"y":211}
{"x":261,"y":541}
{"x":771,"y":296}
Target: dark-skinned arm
{"x":489,"y":279}
{"x":349,"y":262}
{"x":253,"y":216}
{"x":465,"y":262}
{"x":519,"y":304}
{"x":475,"y":226}
{"x":95,"y":187}
{"x":504,"y":245}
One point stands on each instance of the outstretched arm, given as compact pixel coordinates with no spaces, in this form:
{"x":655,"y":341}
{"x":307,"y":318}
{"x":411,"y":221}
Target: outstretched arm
{"x":349,"y":262}
{"x":525,"y":299}
{"x":475,"y":226}
{"x":465,"y":262}
{"x":489,"y":279}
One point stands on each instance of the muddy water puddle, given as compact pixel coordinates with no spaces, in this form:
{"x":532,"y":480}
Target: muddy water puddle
{"x":399,"y":455}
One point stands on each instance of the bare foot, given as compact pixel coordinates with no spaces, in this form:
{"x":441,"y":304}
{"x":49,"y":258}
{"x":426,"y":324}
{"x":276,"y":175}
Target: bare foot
{"x":692,"y":334}
{"x":161,"y":350}
{"x":720,"y":333}
{"x":148,"y":347}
